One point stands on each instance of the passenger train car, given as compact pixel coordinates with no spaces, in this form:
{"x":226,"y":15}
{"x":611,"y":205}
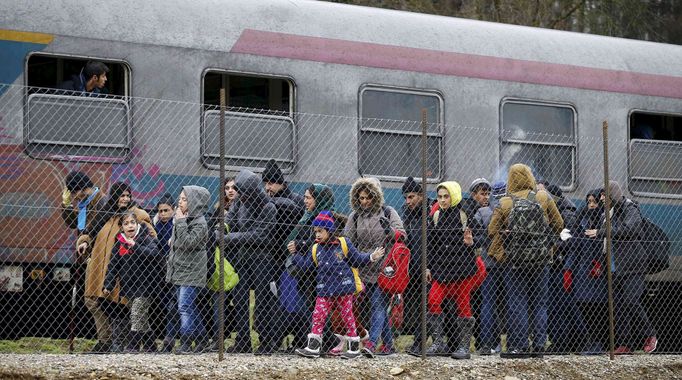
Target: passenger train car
{"x":322,"y":88}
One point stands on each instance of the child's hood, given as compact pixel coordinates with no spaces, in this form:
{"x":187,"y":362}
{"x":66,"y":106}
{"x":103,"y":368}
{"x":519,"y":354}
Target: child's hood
{"x":197,"y":200}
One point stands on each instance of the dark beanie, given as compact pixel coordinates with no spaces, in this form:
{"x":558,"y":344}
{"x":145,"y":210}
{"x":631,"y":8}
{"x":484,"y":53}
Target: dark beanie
{"x":166,"y":199}
{"x":77,"y":181}
{"x":272,"y":173}
{"x":411,"y":186}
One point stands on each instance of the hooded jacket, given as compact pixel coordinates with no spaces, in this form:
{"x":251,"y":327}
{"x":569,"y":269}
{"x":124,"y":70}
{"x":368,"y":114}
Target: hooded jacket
{"x":187,"y":261}
{"x":626,"y":223}
{"x":134,"y":267}
{"x":364,"y":227}
{"x":519,"y":183}
{"x":251,"y":221}
{"x":449,"y":259}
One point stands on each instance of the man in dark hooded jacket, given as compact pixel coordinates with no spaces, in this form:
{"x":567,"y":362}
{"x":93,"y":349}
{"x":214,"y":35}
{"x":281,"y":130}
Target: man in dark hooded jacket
{"x":628,"y":266}
{"x":251,"y":220}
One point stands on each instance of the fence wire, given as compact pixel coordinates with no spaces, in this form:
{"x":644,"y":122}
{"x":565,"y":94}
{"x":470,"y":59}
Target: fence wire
{"x":111,"y":224}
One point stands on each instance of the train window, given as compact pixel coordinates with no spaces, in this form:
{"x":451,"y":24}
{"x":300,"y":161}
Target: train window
{"x":542,"y":136}
{"x":61,"y":123}
{"x":655,"y":148}
{"x":389,"y":136}
{"x":259,"y":120}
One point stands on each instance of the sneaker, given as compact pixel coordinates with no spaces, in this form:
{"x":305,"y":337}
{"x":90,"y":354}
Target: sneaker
{"x":368,"y":350}
{"x":622,"y":350}
{"x":515,"y":354}
{"x":650,"y":344}
{"x":385,"y":350}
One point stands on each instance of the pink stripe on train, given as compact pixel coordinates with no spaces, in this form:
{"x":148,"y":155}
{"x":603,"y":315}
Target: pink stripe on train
{"x":456,"y":64}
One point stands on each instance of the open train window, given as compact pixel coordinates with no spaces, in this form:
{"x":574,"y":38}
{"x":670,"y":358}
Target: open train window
{"x":541,"y":135}
{"x":389,"y":137}
{"x":259,"y":122}
{"x":64,"y":122}
{"x":654,"y":153}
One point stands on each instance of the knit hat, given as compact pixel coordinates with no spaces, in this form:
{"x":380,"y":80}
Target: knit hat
{"x":479,"y":182}
{"x":272,"y":173}
{"x":166,"y":199}
{"x":411,"y":186}
{"x":77,"y":181}
{"x":325,"y":220}
{"x":499,"y":188}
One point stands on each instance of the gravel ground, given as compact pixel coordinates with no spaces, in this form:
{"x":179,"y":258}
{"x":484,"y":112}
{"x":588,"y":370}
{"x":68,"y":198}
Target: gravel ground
{"x":13,"y":366}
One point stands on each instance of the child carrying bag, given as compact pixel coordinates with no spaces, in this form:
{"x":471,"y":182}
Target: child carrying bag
{"x":395,"y":271}
{"x":356,"y":275}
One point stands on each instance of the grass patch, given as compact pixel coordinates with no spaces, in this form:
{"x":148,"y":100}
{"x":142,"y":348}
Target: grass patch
{"x":33,"y":345}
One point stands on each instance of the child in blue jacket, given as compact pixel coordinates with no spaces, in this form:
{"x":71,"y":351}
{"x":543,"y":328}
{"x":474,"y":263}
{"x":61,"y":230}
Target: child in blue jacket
{"x":336,"y":282}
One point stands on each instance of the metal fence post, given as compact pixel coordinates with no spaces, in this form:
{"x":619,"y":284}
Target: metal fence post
{"x":607,"y":212}
{"x":423,"y":242}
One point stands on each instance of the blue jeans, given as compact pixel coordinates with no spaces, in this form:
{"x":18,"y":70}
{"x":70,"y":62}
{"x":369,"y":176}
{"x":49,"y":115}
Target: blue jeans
{"x":378,"y":324}
{"x":526,"y":301}
{"x":191,"y":324}
{"x":490,"y":289}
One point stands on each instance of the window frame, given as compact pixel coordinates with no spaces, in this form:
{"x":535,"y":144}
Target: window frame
{"x":440,"y":125}
{"x":124,"y":99}
{"x":287,"y":169}
{"x":657,"y":142}
{"x":545,"y":103}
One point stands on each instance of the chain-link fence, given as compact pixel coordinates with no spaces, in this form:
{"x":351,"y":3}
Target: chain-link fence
{"x":112,"y":217}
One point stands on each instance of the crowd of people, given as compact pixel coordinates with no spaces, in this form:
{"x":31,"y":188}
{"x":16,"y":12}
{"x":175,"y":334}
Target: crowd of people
{"x":537,"y":262}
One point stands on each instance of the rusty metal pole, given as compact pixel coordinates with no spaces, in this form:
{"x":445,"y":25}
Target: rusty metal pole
{"x":221,"y":242}
{"x":425,"y":214}
{"x":607,"y":212}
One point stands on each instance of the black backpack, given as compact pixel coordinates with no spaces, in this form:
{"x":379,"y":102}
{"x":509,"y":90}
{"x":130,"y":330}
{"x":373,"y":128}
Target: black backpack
{"x":655,"y":245}
{"x":528,"y":238}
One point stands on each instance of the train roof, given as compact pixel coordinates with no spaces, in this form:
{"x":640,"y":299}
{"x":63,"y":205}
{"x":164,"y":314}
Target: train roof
{"x":217,"y":25}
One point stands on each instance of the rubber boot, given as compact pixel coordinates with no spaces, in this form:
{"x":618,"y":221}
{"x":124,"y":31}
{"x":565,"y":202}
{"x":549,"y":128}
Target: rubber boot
{"x":312,"y":350}
{"x":439,"y":347}
{"x":118,"y":335}
{"x":466,"y":327}
{"x":353,"y":344}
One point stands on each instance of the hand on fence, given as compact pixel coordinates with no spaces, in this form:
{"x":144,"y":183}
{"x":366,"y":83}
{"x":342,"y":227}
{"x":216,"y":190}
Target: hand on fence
{"x":82,"y":248}
{"x":66,"y":198}
{"x":106,"y":292}
{"x":377,"y":254}
{"x":468,"y":237}
{"x":568,"y":280}
{"x":291,"y":247}
{"x":591,"y":233}
{"x":428,"y":275}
